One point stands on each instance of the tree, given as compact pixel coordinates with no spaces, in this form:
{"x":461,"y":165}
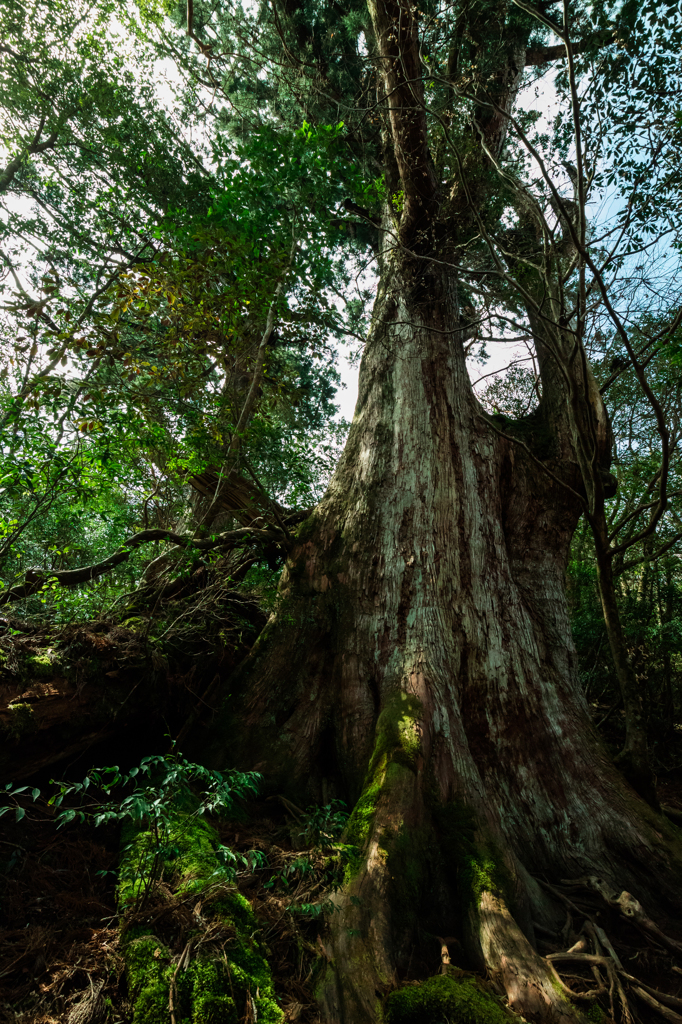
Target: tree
{"x":419,"y":660}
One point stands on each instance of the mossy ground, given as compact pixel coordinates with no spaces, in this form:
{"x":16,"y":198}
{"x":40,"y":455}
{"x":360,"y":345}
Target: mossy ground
{"x":444,"y":1000}
{"x":226,"y":974}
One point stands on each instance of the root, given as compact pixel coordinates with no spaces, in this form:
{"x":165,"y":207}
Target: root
{"x":666,"y":1013}
{"x":595,"y":950}
{"x":632,"y":910}
{"x":673,"y":1002}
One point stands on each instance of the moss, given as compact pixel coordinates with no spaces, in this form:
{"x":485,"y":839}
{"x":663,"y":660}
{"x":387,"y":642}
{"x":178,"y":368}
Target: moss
{"x":43,"y":664}
{"x":146,"y":961}
{"x":210,"y":991}
{"x":307,"y":528}
{"x":397,"y":744}
{"x":397,"y":730}
{"x":151,"y":1006}
{"x":210,"y":1009}
{"x":444,"y":1000}
{"x":479,"y":866}
{"x":22,"y":719}
{"x":361,"y":818}
{"x":190,"y":860}
{"x":205,"y":989}
{"x":136,"y":623}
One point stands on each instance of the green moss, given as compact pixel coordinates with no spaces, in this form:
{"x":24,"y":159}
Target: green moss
{"x":205,"y":988}
{"x":478,"y":864}
{"x":22,"y":719}
{"x":43,"y":664}
{"x":444,"y":1000}
{"x":397,"y":745}
{"x":190,"y":860}
{"x":210,"y":1009}
{"x":397,"y":730}
{"x":151,"y":1006}
{"x":307,"y":528}
{"x":210,"y":991}
{"x":135,"y":623}
{"x":146,"y":960}
{"x":360,"y":821}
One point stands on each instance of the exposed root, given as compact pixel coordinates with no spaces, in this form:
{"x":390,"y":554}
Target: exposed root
{"x":673,"y":1002}
{"x":91,"y":1009}
{"x":654,"y":1004}
{"x":631,"y":909}
{"x":595,"y":952}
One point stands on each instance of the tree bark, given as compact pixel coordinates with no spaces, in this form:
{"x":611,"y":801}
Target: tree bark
{"x":633,"y":759}
{"x":419,"y":663}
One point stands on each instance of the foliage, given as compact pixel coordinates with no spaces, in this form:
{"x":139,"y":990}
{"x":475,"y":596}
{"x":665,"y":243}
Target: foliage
{"x":161,"y":799}
{"x":323,"y":826}
{"x":138,"y":290}
{"x":225,"y":966}
{"x":321,"y":868}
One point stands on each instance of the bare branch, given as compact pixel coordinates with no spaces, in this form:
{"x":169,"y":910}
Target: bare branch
{"x":35,"y":579}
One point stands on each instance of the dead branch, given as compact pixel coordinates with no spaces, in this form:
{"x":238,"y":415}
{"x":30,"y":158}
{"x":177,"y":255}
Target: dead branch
{"x":35,"y":579}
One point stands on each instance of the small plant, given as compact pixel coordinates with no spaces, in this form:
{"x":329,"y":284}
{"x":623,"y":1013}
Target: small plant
{"x":322,"y":826}
{"x":231,"y":861}
{"x":319,"y":871}
{"x":160,"y":800}
{"x":294,"y":871}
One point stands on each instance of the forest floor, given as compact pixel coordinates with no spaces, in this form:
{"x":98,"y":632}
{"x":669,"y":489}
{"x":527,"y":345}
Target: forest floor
{"x":60,"y":932}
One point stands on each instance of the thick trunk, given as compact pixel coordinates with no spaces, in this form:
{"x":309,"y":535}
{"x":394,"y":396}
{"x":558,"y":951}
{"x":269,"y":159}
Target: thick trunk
{"x":420,"y":663}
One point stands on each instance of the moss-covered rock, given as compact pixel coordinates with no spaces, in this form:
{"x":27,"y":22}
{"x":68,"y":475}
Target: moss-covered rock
{"x":211,"y":988}
{"x":203,"y":990}
{"x":445,"y":1000}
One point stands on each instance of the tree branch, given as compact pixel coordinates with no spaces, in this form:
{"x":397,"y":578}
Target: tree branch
{"x":400,"y":67}
{"x":35,"y":579}
{"x":653,"y":557}
{"x":15,"y":164}
{"x":546,"y":54}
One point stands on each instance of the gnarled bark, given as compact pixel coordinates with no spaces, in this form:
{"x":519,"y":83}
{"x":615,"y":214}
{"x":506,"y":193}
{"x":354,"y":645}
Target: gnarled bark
{"x":420,"y":664}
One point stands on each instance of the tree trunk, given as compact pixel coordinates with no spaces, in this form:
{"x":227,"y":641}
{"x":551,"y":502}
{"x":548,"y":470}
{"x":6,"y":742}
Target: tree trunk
{"x":419,"y":663}
{"x":633,"y":759}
